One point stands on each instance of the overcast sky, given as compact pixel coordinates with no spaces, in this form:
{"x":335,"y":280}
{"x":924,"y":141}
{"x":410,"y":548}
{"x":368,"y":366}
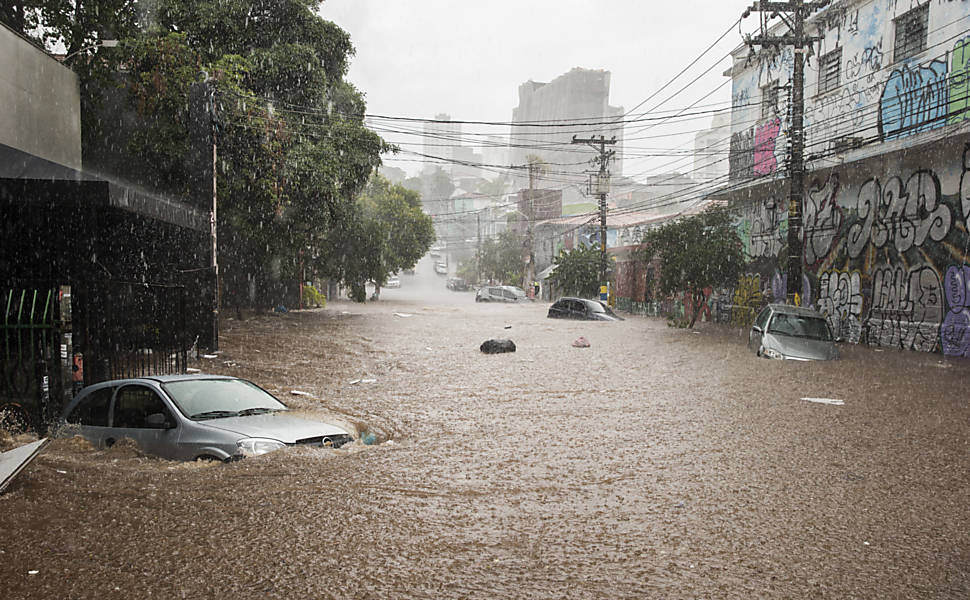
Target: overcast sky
{"x":418,"y":58}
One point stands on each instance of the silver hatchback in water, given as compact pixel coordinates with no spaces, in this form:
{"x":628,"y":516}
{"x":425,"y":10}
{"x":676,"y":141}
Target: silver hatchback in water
{"x":188,"y":417}
{"x":792,"y":333}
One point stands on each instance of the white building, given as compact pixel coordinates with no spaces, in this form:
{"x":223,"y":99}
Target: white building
{"x":886,"y":206}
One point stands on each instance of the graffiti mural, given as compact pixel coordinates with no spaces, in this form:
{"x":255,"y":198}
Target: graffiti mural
{"x":960,"y":81}
{"x":914,"y":100}
{"x":840,"y":300}
{"x":907,"y":308}
{"x":955,"y":332}
{"x":906,"y":214}
{"x":747,"y":300}
{"x":822,"y":219}
{"x":765,"y":162}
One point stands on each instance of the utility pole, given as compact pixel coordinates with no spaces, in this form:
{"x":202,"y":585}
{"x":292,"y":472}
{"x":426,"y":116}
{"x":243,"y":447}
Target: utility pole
{"x":530,"y":275}
{"x":602,"y":189}
{"x":793,"y":13}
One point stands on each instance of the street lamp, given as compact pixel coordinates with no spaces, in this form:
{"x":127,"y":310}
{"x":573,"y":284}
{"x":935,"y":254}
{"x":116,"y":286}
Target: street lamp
{"x":101,"y":44}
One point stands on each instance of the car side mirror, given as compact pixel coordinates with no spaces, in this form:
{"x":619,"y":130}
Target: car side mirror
{"x":158,"y":421}
{"x":756,"y":328}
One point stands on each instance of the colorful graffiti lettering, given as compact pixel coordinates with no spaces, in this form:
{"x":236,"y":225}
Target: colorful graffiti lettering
{"x":747,"y":300}
{"x":904,"y":213}
{"x":907,"y":308}
{"x":765,"y":162}
{"x":704,"y":305}
{"x":955,"y":332}
{"x":840,"y":300}
{"x":914,"y":100}
{"x":822,"y":220}
{"x":960,"y":82}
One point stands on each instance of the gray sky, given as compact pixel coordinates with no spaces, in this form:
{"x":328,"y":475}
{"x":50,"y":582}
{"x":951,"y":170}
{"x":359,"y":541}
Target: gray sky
{"x":417,"y":58}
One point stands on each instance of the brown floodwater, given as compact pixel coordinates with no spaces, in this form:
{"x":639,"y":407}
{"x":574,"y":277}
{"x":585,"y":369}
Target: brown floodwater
{"x":658,"y":462}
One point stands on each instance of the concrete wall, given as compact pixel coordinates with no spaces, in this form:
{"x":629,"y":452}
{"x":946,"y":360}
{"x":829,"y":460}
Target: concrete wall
{"x":40,"y":103}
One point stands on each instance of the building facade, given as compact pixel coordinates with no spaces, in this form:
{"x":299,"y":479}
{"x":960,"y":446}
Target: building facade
{"x":886,"y":208}
{"x":578,"y":97}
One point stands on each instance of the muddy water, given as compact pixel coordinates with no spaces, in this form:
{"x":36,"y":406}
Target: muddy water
{"x":656,"y":463}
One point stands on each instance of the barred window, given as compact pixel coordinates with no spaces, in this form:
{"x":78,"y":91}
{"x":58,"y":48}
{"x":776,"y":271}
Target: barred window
{"x":829,"y":69}
{"x":911,"y":33}
{"x":769,"y":100}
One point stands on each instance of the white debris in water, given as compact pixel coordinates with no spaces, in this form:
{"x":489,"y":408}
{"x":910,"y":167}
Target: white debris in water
{"x":191,"y":370}
{"x":404,"y":315}
{"x":299,"y":393}
{"x":209,"y":356}
{"x":832,"y":401}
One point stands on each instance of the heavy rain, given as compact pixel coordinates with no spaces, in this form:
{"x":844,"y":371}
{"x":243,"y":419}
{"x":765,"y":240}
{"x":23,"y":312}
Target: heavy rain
{"x":693,"y":323}
{"x":657,"y":462}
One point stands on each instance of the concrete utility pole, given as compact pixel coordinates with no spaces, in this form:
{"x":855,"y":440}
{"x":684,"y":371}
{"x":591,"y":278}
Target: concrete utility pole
{"x":793,"y":13}
{"x":530,"y":275}
{"x":602,"y":189}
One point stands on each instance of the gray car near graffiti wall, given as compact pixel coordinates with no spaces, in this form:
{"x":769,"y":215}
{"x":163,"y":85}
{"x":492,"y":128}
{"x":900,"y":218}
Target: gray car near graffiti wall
{"x":792,"y":333}
{"x":190,"y":417}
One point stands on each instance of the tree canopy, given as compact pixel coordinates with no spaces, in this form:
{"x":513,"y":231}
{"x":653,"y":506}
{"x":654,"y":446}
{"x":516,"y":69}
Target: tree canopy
{"x":696,"y":252}
{"x":577,"y":271}
{"x":501,"y":259}
{"x":294,"y":155}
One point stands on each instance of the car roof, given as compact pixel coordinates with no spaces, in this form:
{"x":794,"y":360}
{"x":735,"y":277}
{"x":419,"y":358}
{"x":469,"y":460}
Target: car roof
{"x":800,"y":311}
{"x":160,"y":379}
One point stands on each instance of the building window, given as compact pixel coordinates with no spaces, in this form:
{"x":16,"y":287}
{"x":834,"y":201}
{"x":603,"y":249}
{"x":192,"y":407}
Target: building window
{"x":769,"y":100}
{"x":911,"y":33}
{"x":829,"y":68}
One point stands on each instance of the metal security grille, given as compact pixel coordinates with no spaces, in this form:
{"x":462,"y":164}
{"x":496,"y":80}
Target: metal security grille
{"x":911,"y":31}
{"x":769,"y":100}
{"x":30,"y":358}
{"x":829,"y":68}
{"x":127,"y":329}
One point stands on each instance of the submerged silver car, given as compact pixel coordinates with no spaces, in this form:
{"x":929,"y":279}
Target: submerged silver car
{"x":189,"y":417}
{"x":792,"y":333}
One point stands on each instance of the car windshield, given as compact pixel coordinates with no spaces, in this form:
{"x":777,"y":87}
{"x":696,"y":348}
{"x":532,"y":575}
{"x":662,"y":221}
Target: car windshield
{"x":815,"y":328}
{"x":212,"y":398}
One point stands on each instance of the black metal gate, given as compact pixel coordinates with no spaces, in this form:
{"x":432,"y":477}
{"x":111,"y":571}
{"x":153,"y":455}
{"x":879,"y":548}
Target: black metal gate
{"x":32,"y":359}
{"x":127,"y":329}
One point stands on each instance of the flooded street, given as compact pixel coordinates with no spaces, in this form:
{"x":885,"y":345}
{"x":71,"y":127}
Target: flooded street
{"x":657,"y":463}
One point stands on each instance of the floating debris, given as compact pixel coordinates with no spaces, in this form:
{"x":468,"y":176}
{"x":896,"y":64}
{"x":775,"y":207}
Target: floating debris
{"x":299,"y":393}
{"x":403,"y":315}
{"x":832,"y":401}
{"x":581,"y":342}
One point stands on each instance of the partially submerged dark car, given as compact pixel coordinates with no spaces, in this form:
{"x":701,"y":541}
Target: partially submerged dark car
{"x":581,"y":309}
{"x":457,"y":284}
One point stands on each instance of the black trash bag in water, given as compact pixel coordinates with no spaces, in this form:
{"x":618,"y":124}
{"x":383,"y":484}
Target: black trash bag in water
{"x":497,"y":346}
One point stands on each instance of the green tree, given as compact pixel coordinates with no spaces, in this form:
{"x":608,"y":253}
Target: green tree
{"x":502,"y":258}
{"x":696,"y":252}
{"x":577,"y":271}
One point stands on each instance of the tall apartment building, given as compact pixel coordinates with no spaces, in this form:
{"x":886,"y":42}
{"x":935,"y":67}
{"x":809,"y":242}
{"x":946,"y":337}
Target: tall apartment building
{"x":579,"y":97}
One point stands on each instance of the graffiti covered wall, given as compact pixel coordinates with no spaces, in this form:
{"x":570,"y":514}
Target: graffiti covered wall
{"x":885,"y":248}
